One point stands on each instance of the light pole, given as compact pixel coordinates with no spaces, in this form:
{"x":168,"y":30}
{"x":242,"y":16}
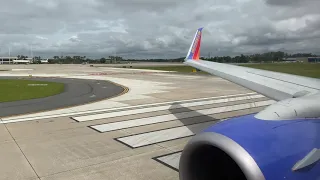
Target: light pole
{"x":9,"y":55}
{"x":1,"y":58}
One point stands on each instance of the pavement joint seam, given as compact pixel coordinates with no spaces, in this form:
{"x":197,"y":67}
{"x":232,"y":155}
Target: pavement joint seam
{"x":22,"y":151}
{"x":94,"y":164}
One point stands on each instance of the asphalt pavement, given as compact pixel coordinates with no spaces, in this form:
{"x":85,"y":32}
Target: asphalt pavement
{"x":77,"y":92}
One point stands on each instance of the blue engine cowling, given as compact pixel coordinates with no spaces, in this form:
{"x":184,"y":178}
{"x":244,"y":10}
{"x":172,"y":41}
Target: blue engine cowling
{"x":253,"y":149}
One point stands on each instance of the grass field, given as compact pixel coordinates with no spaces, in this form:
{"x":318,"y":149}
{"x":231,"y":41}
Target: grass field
{"x":17,"y":89}
{"x":302,"y":69}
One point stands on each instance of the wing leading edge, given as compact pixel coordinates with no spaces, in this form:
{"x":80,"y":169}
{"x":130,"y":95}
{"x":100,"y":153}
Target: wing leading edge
{"x":277,"y":86}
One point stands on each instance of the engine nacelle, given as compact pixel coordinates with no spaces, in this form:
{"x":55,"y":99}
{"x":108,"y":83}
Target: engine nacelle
{"x":253,"y":149}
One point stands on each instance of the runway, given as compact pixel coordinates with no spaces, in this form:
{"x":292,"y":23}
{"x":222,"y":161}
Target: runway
{"x":138,"y":135}
{"x":77,"y":92}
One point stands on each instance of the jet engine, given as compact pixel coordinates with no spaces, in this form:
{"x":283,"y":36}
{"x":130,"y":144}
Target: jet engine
{"x":254,"y":149}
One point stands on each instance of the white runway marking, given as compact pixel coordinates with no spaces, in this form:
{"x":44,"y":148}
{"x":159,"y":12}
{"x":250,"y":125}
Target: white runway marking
{"x":171,"y":160}
{"x":138,"y":70}
{"x":96,"y":108}
{"x":179,"y":76}
{"x":21,"y":69}
{"x":149,"y":138}
{"x":171,"y":117}
{"x":35,"y":75}
{"x":160,"y":108}
{"x":83,"y":109}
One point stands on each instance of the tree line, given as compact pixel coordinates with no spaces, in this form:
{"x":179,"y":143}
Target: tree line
{"x":264,"y":57}
{"x":258,"y":57}
{"x":83,"y":59}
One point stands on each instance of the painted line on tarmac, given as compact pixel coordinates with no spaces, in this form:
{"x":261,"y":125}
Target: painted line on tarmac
{"x":159,"y":136}
{"x":123,"y":111}
{"x":170,"y":160}
{"x":168,"y":117}
{"x":149,"y":138}
{"x":30,"y":117}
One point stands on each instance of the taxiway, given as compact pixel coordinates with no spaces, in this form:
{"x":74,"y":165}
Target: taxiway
{"x":138,"y":135}
{"x":77,"y":91}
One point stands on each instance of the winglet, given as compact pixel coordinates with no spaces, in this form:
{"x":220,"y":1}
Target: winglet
{"x":194,"y":50}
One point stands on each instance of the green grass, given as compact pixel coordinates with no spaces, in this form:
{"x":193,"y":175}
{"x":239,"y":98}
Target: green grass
{"x":17,"y":89}
{"x":302,"y":69}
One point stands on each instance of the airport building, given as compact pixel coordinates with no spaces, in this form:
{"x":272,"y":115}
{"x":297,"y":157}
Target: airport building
{"x":303,"y":59}
{"x":15,"y":60}
{"x":314,"y":59}
{"x":8,"y":60}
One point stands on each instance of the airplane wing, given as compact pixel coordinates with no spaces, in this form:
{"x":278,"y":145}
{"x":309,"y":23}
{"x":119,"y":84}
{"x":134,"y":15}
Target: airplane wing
{"x":281,"y":141}
{"x":277,"y":86}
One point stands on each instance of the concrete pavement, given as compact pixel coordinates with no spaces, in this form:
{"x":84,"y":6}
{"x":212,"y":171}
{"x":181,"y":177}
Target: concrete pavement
{"x":160,"y":113}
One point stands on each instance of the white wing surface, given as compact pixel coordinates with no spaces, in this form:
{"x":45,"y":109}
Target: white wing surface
{"x":277,"y":86}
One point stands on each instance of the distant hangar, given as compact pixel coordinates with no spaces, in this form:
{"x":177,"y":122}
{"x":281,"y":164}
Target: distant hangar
{"x":303,"y":59}
{"x":15,"y":60}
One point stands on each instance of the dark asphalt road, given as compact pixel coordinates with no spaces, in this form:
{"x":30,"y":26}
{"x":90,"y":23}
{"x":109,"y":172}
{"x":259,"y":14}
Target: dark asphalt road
{"x":77,"y":91}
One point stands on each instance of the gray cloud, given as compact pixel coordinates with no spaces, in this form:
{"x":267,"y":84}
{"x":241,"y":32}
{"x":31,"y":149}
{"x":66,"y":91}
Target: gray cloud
{"x":159,"y":28}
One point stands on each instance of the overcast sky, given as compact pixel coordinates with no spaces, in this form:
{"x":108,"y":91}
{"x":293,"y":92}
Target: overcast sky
{"x":157,"y":28}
